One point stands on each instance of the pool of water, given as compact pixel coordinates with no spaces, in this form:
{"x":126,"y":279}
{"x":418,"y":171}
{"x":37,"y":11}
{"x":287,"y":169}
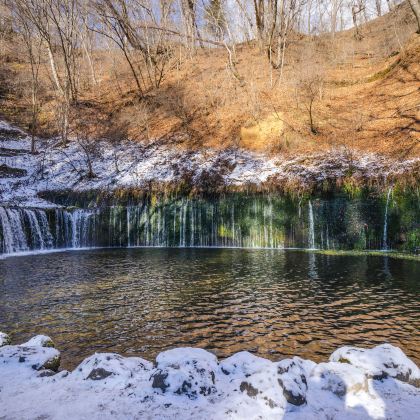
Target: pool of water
{"x":273,"y":303}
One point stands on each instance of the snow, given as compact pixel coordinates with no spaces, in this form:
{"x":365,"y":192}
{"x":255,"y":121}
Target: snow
{"x":193,"y":383}
{"x":383,"y":360}
{"x":136,"y":165}
{"x":4,"y":339}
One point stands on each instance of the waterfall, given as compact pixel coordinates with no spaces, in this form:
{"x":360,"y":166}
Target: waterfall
{"x":385,"y":237}
{"x":311,"y":236}
{"x":14,"y":238}
{"x":249,"y":221}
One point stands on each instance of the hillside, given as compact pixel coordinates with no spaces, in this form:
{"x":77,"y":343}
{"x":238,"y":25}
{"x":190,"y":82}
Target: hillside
{"x":367,"y":96}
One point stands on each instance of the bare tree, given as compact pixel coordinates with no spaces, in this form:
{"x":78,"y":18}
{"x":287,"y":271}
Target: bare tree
{"x":415,"y":7}
{"x":136,"y":24}
{"x":57,"y":23}
{"x":378,"y":5}
{"x":335,"y":7}
{"x":357,"y":7}
{"x":310,"y":84}
{"x":32,"y":43}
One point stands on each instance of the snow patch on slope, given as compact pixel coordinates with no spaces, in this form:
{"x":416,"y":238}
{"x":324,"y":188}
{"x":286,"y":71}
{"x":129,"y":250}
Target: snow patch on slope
{"x":136,"y":165}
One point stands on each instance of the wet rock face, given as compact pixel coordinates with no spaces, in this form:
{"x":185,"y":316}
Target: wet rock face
{"x":380,"y":362}
{"x":186,"y":371}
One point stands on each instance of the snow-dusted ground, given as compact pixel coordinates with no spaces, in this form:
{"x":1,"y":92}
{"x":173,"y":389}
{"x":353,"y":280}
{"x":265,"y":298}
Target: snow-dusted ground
{"x":380,"y":383}
{"x":136,"y":165}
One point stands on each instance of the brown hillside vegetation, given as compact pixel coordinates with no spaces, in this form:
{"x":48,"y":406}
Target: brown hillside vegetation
{"x":365,"y":95}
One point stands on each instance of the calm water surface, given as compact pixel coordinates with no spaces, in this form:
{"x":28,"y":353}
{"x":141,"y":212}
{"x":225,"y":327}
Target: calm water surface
{"x":272,"y":303}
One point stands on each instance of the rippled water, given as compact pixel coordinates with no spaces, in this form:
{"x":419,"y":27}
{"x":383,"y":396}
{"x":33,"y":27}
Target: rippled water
{"x":270,"y":302}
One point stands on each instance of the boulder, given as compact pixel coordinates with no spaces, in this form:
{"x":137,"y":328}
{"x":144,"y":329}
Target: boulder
{"x":111,"y":368}
{"x":186,"y":371}
{"x":4,"y":339}
{"x":253,"y":377}
{"x":339,"y":378}
{"x":293,"y":374}
{"x":380,"y":362}
{"x":39,"y":340}
{"x":35,"y":357}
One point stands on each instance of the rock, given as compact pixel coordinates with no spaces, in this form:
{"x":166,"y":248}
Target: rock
{"x":159,"y":380}
{"x":98,"y":374}
{"x":255,"y":377}
{"x":34,"y":357}
{"x":111,"y":367}
{"x":9,"y":172}
{"x":4,"y":339}
{"x":39,"y":340}
{"x":339,"y":378}
{"x":249,"y":389}
{"x":46,"y":373}
{"x":186,"y":371}
{"x":293,"y":374}
{"x":380,"y":362}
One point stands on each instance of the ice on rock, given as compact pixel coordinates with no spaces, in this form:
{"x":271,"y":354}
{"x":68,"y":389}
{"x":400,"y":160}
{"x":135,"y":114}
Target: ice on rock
{"x":112,"y":369}
{"x":380,"y":362}
{"x":186,"y":371}
{"x":339,"y":378}
{"x":4,"y":339}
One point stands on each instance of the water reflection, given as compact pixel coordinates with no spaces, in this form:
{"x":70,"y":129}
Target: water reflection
{"x":274,"y":303}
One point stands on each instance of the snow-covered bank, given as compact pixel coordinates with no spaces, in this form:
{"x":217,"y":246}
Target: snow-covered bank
{"x":136,"y":165}
{"x":354,"y":384}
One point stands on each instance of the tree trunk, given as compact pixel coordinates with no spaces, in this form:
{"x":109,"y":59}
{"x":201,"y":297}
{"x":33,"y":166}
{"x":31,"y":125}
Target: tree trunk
{"x":415,"y":7}
{"x":54,"y":70}
{"x":90,"y":62}
{"x":378,"y":4}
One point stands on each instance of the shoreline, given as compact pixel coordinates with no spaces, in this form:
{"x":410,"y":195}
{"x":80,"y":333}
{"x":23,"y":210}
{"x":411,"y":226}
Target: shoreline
{"x":328,"y":252}
{"x":354,"y":383}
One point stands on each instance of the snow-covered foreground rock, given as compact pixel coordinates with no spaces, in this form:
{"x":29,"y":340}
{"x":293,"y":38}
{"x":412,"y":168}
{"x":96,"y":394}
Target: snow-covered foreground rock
{"x":137,"y":165}
{"x":192,"y":383}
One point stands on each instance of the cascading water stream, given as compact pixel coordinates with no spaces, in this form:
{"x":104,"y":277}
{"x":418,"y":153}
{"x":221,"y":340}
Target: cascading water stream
{"x":31,"y":229}
{"x":235,"y":221}
{"x":14,"y":238}
{"x":311,"y":236}
{"x":385,"y":237}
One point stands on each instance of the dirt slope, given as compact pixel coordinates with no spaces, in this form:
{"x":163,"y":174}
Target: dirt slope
{"x":368,"y":99}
